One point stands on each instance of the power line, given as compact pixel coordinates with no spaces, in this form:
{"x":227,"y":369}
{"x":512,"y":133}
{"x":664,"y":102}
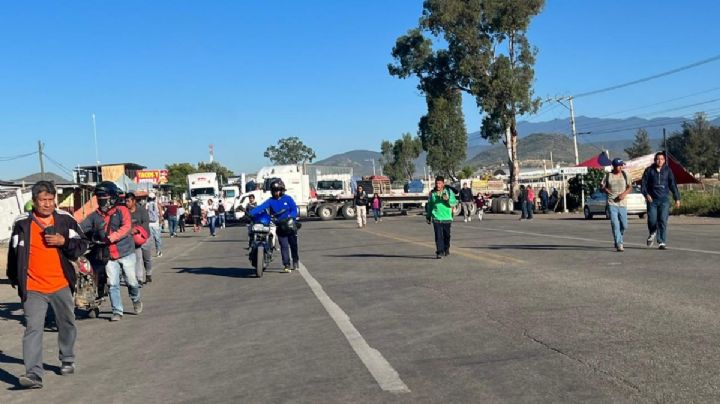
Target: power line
{"x":60,"y":166}
{"x":645,"y":79}
{"x":659,"y":103}
{"x":668,"y":122}
{"x":16,"y":157}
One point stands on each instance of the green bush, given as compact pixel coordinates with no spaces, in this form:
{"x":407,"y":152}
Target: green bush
{"x":698,"y":203}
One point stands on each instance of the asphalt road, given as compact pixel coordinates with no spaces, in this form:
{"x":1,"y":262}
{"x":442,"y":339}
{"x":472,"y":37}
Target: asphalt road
{"x":539,"y":311}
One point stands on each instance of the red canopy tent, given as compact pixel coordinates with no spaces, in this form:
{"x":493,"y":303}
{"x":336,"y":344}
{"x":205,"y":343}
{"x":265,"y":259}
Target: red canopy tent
{"x":637,"y":166}
{"x":600,"y":161}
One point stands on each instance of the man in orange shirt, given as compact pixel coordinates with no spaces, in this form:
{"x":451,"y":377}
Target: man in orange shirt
{"x":41,"y":246}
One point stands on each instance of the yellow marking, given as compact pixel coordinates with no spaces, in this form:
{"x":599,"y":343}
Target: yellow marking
{"x":478,"y":256}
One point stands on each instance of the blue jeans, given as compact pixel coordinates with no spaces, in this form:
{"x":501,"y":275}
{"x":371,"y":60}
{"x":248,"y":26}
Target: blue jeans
{"x":172,"y":224}
{"x":618,"y":223}
{"x":113,"y":268}
{"x":658,"y":212}
{"x":221,"y":219}
{"x":527,"y":209}
{"x":155,"y":234}
{"x":376,"y":214}
{"x":212,"y":223}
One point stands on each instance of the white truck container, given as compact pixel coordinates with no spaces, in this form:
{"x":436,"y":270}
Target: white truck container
{"x":203,"y":186}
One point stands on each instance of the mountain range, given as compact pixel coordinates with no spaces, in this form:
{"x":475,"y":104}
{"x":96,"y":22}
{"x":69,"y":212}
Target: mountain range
{"x":537,"y":140}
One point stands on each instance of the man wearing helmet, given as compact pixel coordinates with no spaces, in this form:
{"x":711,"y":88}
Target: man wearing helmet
{"x":285,"y":212}
{"x":111,"y":225}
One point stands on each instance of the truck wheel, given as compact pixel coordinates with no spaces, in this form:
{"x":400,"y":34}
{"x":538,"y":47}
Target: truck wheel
{"x":326,"y":212}
{"x":348,"y":211}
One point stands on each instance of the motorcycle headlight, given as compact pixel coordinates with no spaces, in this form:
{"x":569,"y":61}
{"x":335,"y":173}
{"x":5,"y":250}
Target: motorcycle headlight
{"x":259,"y":227}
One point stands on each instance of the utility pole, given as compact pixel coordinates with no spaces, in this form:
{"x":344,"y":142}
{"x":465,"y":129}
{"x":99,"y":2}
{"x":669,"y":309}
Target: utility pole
{"x":574,"y":131}
{"x":664,"y":141}
{"x":42,"y":163}
{"x":97,"y":154}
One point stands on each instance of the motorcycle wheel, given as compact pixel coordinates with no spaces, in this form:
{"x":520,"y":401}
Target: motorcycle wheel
{"x":259,"y":261}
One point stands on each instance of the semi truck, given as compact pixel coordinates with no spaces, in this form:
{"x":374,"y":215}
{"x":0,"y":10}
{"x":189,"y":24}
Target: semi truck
{"x":330,"y":205}
{"x":203,"y":186}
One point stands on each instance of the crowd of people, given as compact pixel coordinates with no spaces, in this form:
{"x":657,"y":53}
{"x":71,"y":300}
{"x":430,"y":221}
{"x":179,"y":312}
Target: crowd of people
{"x":118,"y":237}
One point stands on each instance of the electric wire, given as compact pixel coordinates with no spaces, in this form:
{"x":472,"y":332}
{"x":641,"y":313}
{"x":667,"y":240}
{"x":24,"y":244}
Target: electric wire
{"x":16,"y":157}
{"x":646,"y":79}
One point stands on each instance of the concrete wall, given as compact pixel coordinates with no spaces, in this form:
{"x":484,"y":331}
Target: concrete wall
{"x":10,"y":208}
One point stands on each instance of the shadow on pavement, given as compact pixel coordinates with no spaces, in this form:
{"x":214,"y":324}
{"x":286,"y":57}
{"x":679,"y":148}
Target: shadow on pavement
{"x":231,"y":272}
{"x":548,"y":247}
{"x":12,"y":380}
{"x":419,"y":257}
{"x":7,"y":309}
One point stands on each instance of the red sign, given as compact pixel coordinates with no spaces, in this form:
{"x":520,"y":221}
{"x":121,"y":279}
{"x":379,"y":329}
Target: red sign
{"x":155,"y":177}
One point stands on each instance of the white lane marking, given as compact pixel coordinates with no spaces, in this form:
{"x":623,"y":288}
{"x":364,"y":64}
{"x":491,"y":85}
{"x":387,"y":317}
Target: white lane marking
{"x":601,"y":241}
{"x":385,"y":375}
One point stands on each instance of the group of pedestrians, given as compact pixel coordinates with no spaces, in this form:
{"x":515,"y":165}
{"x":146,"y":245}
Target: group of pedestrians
{"x":46,"y":242}
{"x":362,"y":202}
{"x":657,"y":184}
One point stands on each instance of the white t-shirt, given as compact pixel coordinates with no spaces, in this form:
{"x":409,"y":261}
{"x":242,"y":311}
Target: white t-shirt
{"x":211,"y":208}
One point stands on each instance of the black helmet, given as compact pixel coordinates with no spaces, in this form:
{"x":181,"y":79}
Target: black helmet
{"x":106,"y":189}
{"x":277,"y":185}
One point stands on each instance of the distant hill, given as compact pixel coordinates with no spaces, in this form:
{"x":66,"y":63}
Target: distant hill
{"x":359,"y":160}
{"x":535,"y":148}
{"x":33,"y":178}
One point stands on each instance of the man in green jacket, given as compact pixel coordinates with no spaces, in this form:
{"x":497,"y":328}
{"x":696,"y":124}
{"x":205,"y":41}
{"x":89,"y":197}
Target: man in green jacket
{"x":439,"y":212}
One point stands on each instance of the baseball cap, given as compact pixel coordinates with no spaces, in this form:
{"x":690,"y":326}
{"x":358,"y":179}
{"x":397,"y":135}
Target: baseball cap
{"x":618,"y":162}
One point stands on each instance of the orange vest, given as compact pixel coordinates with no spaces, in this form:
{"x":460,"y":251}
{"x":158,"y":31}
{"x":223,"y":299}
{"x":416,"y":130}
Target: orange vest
{"x":45,"y":272}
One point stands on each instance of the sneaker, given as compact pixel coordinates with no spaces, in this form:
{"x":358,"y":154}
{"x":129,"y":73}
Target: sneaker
{"x":159,"y":254}
{"x":30,"y":381}
{"x":447,"y":253}
{"x":662,"y":246}
{"x":116,"y":317}
{"x":138,"y":307}
{"x":67,"y":368}
{"x":620,"y":248}
{"x":287,"y":270}
{"x":651,"y":240}
{"x":465,"y":220}
{"x":295,"y":266}
{"x":438,"y":256}
{"x":469,"y":218}
{"x":148,"y":278}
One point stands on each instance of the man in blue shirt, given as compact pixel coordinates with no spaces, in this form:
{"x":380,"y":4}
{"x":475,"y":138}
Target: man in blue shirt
{"x":657,"y":183}
{"x":285,"y":212}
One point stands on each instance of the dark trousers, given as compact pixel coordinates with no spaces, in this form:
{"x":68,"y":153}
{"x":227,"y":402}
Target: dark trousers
{"x":35,"y":308}
{"x":442,"y":236}
{"x":658,"y":212}
{"x":288,"y":247}
{"x":181,"y":224}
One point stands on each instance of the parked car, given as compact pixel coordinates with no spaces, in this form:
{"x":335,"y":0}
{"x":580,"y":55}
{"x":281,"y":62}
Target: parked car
{"x":596,"y":204}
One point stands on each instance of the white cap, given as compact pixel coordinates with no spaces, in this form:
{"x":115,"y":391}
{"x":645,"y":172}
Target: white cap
{"x":151,"y":194}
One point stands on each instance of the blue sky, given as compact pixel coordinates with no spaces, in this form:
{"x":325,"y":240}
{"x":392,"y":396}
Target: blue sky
{"x":167,"y":78}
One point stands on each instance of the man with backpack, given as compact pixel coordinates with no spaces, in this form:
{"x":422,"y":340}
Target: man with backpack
{"x":155,"y":214}
{"x":617,"y":185}
{"x":111,"y":226}
{"x":439,"y":212}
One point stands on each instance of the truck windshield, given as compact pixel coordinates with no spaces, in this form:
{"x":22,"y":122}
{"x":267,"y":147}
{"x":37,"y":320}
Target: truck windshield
{"x":334,"y":185}
{"x":229,"y":193}
{"x":202,"y":191}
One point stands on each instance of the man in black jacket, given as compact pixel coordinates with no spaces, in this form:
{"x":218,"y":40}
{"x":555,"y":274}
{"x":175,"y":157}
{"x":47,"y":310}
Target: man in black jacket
{"x":360,"y":203}
{"x":467,"y":201}
{"x":41,"y":246}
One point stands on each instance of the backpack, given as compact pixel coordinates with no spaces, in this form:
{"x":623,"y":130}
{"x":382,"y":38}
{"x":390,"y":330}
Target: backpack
{"x":607,"y":178}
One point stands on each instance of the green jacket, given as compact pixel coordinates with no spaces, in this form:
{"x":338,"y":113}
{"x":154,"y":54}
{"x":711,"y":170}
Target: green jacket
{"x":438,"y":209}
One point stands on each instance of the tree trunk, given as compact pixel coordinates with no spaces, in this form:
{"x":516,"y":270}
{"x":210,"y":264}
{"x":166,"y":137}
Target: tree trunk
{"x":513,"y":164}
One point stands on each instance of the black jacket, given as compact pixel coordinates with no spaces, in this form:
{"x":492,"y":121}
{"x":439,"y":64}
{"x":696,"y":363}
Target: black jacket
{"x":466,"y":195}
{"x":19,"y":251}
{"x":361,"y":199}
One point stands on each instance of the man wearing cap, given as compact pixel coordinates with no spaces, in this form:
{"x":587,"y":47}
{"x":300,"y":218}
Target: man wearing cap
{"x":658,"y":182}
{"x":617,"y":185}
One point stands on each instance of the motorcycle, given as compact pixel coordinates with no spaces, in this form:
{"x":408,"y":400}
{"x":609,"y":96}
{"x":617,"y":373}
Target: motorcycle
{"x":263,"y":237}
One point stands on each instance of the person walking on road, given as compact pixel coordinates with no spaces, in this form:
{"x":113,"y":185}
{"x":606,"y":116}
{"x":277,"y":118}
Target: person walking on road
{"x":658,"y":182}
{"x":360,"y":203}
{"x":480,"y":205}
{"x":155,"y":213}
{"x":529,"y":202}
{"x":544,"y":199}
{"x":143,"y":251}
{"x":467,"y":201}
{"x":617,"y":185}
{"x":112,"y":226}
{"x":172,"y":212}
{"x":439,"y":212}
{"x":211,"y":215}
{"x":42,"y":243}
{"x":181,"y":218}
{"x":522,"y":200}
{"x":221,"y":214}
{"x":196,"y":213}
{"x":376,"y":205}
{"x":285,"y":213}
